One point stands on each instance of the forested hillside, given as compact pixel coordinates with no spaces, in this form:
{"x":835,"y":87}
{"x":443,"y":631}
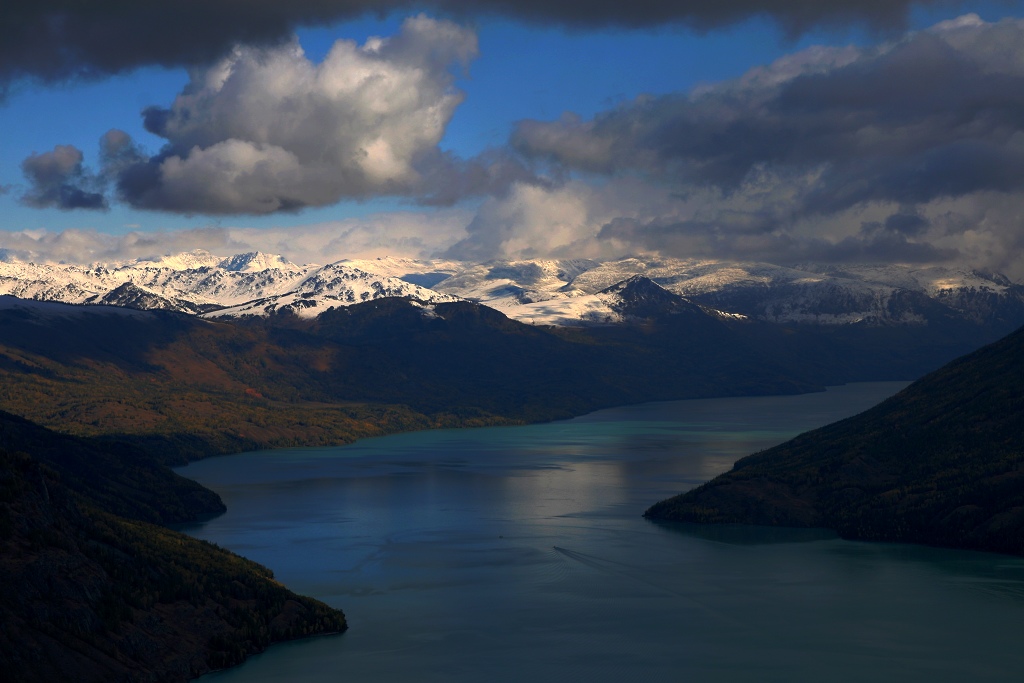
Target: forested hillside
{"x":940,"y":463}
{"x":94,"y":591}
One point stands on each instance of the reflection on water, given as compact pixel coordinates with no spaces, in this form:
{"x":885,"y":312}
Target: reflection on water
{"x":505,"y":554}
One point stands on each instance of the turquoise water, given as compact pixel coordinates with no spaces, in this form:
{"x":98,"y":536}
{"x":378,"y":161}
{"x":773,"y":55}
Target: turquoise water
{"x":519,"y":553}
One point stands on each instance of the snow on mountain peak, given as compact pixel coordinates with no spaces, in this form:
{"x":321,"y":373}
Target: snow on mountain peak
{"x":256,"y":261}
{"x":189,"y":260}
{"x":336,"y":284}
{"x":542,"y":291}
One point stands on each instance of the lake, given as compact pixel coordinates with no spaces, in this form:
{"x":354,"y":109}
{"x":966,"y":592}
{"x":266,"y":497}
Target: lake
{"x":520,"y":553}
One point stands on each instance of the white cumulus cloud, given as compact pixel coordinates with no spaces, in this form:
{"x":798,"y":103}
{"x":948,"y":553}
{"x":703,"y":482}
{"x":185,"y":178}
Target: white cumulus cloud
{"x":268,"y":130}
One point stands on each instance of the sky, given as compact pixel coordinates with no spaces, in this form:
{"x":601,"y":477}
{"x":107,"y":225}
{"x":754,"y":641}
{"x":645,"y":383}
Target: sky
{"x":786,"y":131}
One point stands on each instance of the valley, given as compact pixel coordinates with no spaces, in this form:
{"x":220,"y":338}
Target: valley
{"x":142,"y":366}
{"x":385,"y":321}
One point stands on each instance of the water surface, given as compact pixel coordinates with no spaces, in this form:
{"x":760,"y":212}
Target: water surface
{"x":519,"y":553}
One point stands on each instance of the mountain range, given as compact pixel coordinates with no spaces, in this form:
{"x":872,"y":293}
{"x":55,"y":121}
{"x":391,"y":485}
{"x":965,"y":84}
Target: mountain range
{"x":156,"y":362}
{"x":199,"y":282}
{"x":190,"y":386}
{"x":568,"y":292}
{"x":198,"y":354}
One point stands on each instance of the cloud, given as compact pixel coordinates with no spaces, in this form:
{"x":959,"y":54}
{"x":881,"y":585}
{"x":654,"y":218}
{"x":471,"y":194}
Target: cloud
{"x":874,"y":243}
{"x":886,"y":153}
{"x":85,"y":247}
{"x":906,"y":151}
{"x":409,"y":234}
{"x":563,"y":220}
{"x":529,"y":221}
{"x":627,"y":216}
{"x":53,"y":40}
{"x":446,"y":179}
{"x":937,"y":114}
{"x":266,"y":130}
{"x":59,"y":180}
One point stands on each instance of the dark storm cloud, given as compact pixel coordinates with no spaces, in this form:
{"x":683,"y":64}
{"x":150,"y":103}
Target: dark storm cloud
{"x":446,"y":179}
{"x":58,"y":39}
{"x":59,"y":180}
{"x":875,"y":243}
{"x":907,"y":223}
{"x":794,"y":15}
{"x":939,"y":114}
{"x":882,"y":247}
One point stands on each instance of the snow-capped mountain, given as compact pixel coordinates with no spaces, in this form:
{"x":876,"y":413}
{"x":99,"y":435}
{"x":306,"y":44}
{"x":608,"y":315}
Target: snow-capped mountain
{"x":633,"y":299}
{"x":408,"y":269}
{"x":255,"y":262}
{"x":811,"y":294}
{"x":539,"y":291}
{"x":333,"y":285}
{"x":132,"y":296}
{"x":189,"y":260}
{"x":201,"y":283}
{"x":639,"y":297}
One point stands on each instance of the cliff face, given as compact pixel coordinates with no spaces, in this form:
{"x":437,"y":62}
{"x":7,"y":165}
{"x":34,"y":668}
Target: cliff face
{"x":88,"y":595}
{"x":940,"y":463}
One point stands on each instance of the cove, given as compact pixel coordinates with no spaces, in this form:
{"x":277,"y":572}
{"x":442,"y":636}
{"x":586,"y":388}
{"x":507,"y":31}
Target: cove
{"x":519,"y":554}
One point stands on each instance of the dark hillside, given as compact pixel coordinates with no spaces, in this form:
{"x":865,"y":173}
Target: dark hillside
{"x":118,"y":477}
{"x":186,"y":387}
{"x":92,"y":596}
{"x":941,"y":463}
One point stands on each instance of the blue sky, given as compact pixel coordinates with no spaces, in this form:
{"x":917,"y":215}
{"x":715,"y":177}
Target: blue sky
{"x":523,"y":71}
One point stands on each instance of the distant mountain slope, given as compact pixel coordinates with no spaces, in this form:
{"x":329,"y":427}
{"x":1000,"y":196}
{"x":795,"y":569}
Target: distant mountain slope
{"x":940,"y":463}
{"x":182,"y":386}
{"x":129,"y":295}
{"x":633,"y":300}
{"x":453,"y":356}
{"x":93,"y":596}
{"x":189,"y":386}
{"x":640,"y":298}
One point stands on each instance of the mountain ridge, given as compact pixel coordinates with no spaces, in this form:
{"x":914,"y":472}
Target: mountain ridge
{"x":539,"y":291}
{"x":226,"y":385}
{"x":940,"y":463}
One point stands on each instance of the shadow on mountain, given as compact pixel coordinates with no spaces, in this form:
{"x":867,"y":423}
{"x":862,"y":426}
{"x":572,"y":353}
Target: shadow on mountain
{"x":94,"y":592}
{"x":940,"y":463}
